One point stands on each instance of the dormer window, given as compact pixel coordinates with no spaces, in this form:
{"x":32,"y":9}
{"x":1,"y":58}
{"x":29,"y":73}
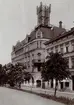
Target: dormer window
{"x":38,"y":34}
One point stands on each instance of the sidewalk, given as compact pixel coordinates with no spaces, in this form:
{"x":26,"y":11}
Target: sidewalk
{"x":48,"y":91}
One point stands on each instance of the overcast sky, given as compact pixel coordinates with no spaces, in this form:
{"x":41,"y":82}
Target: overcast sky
{"x":18,"y":18}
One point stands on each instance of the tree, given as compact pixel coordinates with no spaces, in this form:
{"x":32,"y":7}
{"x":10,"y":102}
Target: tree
{"x":10,"y":74}
{"x":28,"y":76}
{"x":21,"y":74}
{"x":2,"y":75}
{"x":56,"y":67}
{"x":16,"y":74}
{"x":5,"y":77}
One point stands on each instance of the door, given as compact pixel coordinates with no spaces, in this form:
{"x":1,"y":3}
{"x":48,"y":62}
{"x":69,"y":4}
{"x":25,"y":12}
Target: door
{"x":73,"y":82}
{"x":61,"y":85}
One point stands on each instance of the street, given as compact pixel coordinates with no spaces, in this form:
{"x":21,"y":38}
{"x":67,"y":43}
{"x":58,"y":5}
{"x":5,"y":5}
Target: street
{"x":15,"y":97}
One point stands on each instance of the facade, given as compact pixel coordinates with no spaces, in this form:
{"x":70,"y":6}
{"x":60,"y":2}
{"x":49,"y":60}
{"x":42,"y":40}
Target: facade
{"x":64,"y":43}
{"x":31,"y":51}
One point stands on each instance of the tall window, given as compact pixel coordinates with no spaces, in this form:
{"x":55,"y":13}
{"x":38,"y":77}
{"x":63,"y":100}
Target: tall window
{"x":72,"y":42}
{"x":67,"y":49}
{"x":28,"y":64}
{"x":61,"y":48}
{"x":38,"y":34}
{"x":32,"y":56}
{"x":52,"y":49}
{"x":72,"y":62}
{"x":67,"y":61}
{"x":56,"y":48}
{"x":73,"y":47}
{"x":37,"y":44}
{"x":40,"y":44}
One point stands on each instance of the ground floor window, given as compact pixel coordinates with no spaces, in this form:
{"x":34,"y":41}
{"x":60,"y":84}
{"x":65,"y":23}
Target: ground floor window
{"x":66,"y":84}
{"x":38,"y":83}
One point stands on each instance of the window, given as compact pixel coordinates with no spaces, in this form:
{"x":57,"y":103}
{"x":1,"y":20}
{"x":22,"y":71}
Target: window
{"x":61,"y":48}
{"x":67,"y":49}
{"x":48,"y":51}
{"x":73,"y":47}
{"x":72,"y":44}
{"x":56,"y":49}
{"x":73,"y":62}
{"x":67,"y":61}
{"x":32,"y":55}
{"x":67,"y":84}
{"x":28,"y":64}
{"x":37,"y":44}
{"x":52,"y":49}
{"x":39,"y":34}
{"x":40,"y":44}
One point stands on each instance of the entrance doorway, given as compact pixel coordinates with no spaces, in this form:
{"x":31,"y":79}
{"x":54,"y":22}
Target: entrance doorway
{"x":38,"y":83}
{"x":51,"y":83}
{"x":61,"y":85}
{"x":73,"y":82}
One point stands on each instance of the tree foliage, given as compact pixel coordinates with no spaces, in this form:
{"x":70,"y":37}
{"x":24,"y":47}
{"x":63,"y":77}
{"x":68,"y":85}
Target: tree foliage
{"x":14,"y":75}
{"x":56,"y":67}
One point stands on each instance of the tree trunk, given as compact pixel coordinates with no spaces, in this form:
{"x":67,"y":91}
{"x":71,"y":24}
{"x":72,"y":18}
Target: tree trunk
{"x":55,"y":88}
{"x":19,"y":85}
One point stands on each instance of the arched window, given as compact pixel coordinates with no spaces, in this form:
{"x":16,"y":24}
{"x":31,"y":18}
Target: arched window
{"x":38,"y":34}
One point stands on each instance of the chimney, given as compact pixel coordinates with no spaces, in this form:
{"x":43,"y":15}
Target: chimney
{"x":60,"y":24}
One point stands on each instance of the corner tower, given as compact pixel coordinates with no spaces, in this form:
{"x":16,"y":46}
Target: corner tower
{"x":43,"y":14}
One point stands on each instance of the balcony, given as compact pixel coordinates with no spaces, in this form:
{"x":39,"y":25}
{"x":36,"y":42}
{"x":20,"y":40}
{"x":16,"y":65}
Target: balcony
{"x":38,"y":60}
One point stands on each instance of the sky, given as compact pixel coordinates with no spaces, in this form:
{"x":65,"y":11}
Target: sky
{"x":18,"y":18}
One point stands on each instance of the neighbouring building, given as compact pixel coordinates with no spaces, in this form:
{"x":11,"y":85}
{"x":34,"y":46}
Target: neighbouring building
{"x":31,"y":51}
{"x":64,"y":43}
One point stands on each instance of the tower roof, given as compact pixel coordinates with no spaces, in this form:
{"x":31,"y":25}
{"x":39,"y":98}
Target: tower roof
{"x":43,"y":14}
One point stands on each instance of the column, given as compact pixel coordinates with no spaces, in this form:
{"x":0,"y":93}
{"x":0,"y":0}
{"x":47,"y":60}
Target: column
{"x":54,"y":50}
{"x":59,"y":87}
{"x":70,"y":62}
{"x":49,"y":83}
{"x":70,"y":85}
{"x":59,"y":48}
{"x":64,"y":48}
{"x":63,"y":84}
{"x":53,"y":83}
{"x":70,"y":46}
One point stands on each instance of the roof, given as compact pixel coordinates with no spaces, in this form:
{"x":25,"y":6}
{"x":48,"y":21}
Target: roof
{"x":62,"y":35}
{"x":48,"y":32}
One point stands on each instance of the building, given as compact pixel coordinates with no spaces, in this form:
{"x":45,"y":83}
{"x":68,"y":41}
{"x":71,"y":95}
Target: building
{"x":31,"y":51}
{"x":64,"y":43}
